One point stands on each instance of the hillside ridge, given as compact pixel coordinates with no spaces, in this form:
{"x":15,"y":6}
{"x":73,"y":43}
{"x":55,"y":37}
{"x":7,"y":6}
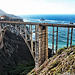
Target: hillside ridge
{"x":62,"y":63}
{"x":9,"y":15}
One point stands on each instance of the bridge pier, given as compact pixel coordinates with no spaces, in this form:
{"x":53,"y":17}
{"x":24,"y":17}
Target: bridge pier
{"x":1,"y":41}
{"x":41,"y":52}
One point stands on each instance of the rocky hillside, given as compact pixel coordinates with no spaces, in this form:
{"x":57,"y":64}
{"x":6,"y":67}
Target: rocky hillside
{"x":62,"y":63}
{"x":9,"y":15}
{"x":15,"y":57}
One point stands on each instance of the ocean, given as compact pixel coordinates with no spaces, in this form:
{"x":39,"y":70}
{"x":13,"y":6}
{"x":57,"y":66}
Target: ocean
{"x":55,"y":19}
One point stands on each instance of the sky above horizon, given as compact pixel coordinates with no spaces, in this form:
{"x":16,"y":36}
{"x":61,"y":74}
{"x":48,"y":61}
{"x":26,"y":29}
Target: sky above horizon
{"x":23,"y":7}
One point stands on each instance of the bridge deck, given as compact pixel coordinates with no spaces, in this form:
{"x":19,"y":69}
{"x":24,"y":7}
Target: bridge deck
{"x":42,"y":24}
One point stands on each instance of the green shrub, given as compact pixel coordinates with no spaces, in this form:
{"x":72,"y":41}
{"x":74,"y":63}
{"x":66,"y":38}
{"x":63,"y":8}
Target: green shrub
{"x":68,"y":52}
{"x":74,"y":47}
{"x":54,"y":56}
{"x":60,"y":50}
{"x":54,"y":64}
{"x":74,"y":52}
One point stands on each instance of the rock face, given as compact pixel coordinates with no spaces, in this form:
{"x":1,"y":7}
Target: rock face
{"x":15,"y":57}
{"x":62,"y":63}
{"x":11,"y":17}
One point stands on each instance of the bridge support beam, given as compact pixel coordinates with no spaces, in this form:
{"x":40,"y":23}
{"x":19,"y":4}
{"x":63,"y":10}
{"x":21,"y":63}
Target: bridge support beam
{"x":1,"y":41}
{"x":41,"y":52}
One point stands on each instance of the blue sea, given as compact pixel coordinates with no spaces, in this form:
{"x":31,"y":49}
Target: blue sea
{"x":55,"y":19}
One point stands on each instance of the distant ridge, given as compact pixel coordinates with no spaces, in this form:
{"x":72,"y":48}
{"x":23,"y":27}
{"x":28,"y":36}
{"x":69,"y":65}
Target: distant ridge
{"x":2,"y":12}
{"x":9,"y":15}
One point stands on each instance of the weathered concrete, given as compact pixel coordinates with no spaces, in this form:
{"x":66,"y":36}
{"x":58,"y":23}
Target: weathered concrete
{"x":41,"y":53}
{"x":39,"y":47}
{"x":1,"y":41}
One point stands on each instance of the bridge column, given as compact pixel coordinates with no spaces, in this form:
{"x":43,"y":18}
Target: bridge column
{"x":16,"y":28}
{"x":43,"y":44}
{"x":37,"y":47}
{"x":41,"y":53}
{"x":1,"y":41}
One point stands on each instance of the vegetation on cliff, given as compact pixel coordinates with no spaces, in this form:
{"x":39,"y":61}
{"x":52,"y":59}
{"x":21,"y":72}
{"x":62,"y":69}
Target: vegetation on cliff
{"x":15,"y":57}
{"x":62,"y":63}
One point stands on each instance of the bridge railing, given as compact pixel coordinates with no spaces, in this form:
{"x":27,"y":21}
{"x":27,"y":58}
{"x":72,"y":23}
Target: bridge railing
{"x":39,"y":46}
{"x":68,"y":30}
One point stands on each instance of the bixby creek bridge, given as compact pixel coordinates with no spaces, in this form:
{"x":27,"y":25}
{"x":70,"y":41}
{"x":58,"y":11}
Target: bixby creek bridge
{"x":39,"y":46}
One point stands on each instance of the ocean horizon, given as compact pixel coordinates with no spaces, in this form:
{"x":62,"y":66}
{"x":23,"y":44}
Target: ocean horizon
{"x":55,"y":19}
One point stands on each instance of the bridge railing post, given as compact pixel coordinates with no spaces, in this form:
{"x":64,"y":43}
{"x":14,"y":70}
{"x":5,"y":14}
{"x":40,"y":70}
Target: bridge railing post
{"x":41,"y":52}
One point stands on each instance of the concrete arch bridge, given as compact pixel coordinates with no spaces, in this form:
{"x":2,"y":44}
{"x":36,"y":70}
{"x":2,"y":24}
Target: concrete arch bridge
{"x":39,"y":46}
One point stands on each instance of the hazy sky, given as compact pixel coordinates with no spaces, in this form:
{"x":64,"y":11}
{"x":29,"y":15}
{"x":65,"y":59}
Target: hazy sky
{"x":21,"y":7}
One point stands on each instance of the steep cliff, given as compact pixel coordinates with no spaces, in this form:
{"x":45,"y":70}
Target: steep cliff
{"x":62,"y":63}
{"x":15,"y":57}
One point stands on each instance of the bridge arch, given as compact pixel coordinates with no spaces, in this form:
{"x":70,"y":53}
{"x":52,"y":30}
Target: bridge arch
{"x":39,"y":51}
{"x":13,"y":28}
{"x":39,"y":54}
